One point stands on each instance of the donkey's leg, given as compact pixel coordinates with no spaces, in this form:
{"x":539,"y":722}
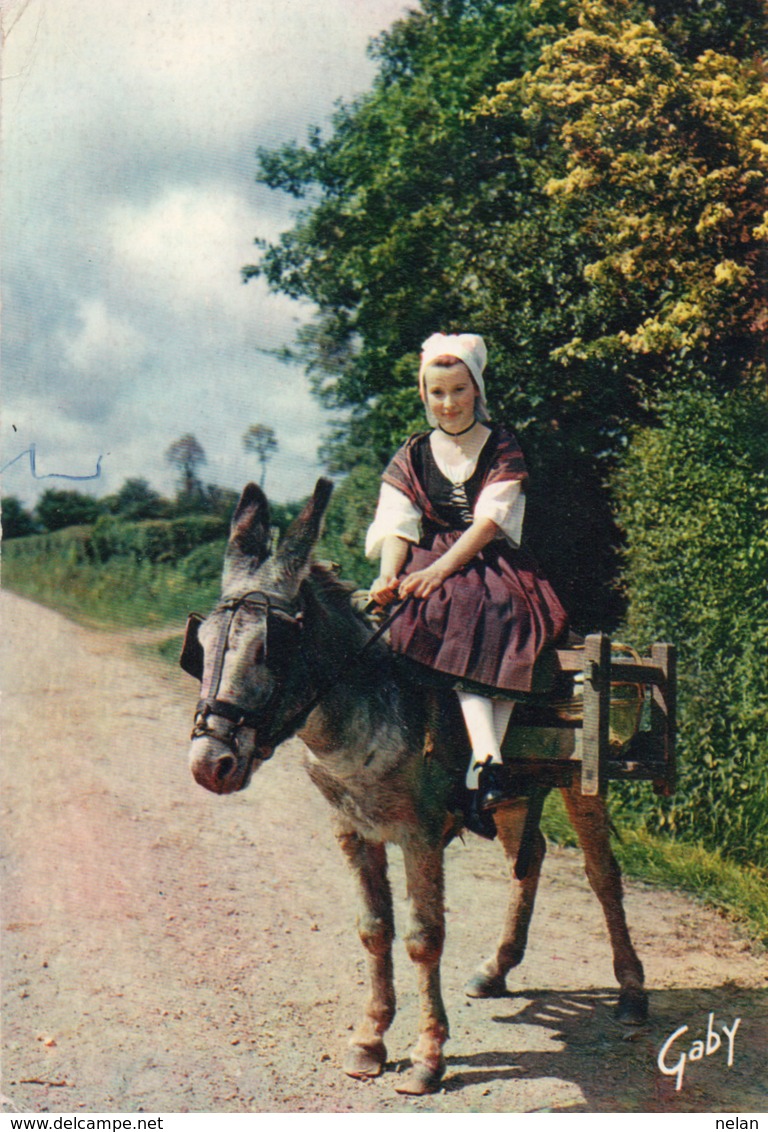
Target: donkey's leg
{"x":367,"y":1053}
{"x":424,"y":942}
{"x":590,"y":820}
{"x":489,"y":979}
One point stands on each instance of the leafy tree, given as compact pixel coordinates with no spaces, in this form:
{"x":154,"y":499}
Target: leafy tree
{"x":738,"y":29}
{"x":531,"y":171}
{"x":58,"y":509}
{"x":376,"y":249}
{"x":16,"y":520}
{"x":137,"y":500}
{"x":261,"y":439}
{"x":219,"y":500}
{"x":643,"y":233}
{"x":187,"y":455}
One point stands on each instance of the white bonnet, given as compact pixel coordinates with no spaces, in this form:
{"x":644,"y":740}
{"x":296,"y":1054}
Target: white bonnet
{"x":469,"y":348}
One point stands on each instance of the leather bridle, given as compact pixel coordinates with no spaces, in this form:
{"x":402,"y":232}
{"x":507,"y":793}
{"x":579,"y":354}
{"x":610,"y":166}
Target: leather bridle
{"x":209,"y":706}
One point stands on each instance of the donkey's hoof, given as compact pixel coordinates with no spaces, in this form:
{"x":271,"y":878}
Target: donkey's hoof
{"x":420,"y":1080}
{"x":486,"y":986}
{"x":365,"y":1061}
{"x":632,"y":1009}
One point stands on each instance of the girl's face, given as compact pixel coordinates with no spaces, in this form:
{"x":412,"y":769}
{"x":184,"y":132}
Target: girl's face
{"x":451,"y":394}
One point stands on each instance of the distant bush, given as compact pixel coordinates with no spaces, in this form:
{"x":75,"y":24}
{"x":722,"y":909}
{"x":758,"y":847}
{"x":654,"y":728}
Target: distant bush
{"x":136,"y":500}
{"x":205,"y":563}
{"x":157,"y":540}
{"x":69,"y":547}
{"x":693,"y":499}
{"x":57,"y":509}
{"x":17,"y":522}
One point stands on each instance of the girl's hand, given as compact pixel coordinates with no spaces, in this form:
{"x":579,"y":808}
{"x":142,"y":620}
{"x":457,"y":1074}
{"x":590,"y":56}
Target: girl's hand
{"x":422,"y":583}
{"x":384,"y":589}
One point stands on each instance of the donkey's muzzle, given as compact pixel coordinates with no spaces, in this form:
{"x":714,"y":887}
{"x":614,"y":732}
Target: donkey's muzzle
{"x":217,"y":769}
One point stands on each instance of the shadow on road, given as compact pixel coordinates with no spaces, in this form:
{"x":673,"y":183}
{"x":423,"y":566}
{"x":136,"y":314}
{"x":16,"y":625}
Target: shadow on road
{"x":616,"y":1067}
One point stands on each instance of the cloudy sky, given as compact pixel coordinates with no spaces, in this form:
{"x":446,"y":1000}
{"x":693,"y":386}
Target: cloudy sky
{"x":129,"y":131}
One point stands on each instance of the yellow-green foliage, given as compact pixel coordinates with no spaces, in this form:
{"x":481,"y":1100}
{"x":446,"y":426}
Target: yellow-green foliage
{"x":664,"y":159}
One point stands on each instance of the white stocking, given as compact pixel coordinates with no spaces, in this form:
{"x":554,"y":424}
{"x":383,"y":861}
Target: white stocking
{"x":478,"y":712}
{"x":502,"y":712}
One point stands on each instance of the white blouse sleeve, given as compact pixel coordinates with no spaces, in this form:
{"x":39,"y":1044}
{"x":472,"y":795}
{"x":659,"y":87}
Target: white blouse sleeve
{"x":504,"y":503}
{"x":395,"y":515}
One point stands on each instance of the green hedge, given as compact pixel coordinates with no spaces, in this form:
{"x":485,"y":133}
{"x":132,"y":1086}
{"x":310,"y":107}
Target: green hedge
{"x":72,"y":546}
{"x":146,"y":573}
{"x":351,"y":510}
{"x":693,"y":499}
{"x":155,"y":540}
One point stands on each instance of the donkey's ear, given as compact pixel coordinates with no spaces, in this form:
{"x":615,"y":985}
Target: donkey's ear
{"x":296,"y":547}
{"x":249,"y":534}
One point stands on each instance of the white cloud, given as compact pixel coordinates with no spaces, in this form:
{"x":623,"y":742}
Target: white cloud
{"x":102,"y":342}
{"x":129,"y":137}
{"x":188,"y":72}
{"x":184,"y":248}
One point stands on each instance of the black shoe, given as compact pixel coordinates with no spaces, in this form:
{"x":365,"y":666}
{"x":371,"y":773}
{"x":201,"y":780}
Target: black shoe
{"x":492,"y":788}
{"x":475,"y":819}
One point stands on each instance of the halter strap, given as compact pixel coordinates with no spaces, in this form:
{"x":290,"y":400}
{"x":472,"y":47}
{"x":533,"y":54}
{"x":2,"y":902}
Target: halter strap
{"x":209,"y":703}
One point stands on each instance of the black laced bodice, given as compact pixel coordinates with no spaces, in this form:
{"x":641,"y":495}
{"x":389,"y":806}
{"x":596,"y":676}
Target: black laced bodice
{"x":453,"y":503}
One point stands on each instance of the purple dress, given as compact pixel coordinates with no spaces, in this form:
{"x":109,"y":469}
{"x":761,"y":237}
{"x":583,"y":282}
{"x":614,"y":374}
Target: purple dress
{"x":491,"y":627}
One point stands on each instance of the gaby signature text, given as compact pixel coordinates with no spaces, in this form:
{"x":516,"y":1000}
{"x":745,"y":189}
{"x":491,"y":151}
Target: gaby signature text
{"x":677,"y":1051}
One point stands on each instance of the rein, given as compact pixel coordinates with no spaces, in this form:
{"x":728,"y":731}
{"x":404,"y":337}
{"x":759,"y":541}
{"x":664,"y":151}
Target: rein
{"x":295,"y":721}
{"x":209,"y":703}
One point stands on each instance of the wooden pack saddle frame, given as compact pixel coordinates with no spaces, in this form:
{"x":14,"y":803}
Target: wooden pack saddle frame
{"x":648,"y":755}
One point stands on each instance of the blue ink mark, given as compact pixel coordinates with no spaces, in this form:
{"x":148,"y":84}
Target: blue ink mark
{"x":31,"y":452}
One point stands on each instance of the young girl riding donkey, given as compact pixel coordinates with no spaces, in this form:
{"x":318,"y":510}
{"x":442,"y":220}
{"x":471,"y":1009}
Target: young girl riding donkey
{"x":448,"y":528}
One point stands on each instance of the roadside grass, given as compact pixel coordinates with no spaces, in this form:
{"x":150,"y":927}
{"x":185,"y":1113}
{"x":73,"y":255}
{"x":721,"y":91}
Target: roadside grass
{"x":739,"y":892}
{"x":122,"y":594}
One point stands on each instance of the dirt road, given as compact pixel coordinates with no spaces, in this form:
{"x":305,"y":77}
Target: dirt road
{"x":165,"y":950}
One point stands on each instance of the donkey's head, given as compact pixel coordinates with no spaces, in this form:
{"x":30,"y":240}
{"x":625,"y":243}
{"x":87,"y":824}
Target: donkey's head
{"x":249,"y":653}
